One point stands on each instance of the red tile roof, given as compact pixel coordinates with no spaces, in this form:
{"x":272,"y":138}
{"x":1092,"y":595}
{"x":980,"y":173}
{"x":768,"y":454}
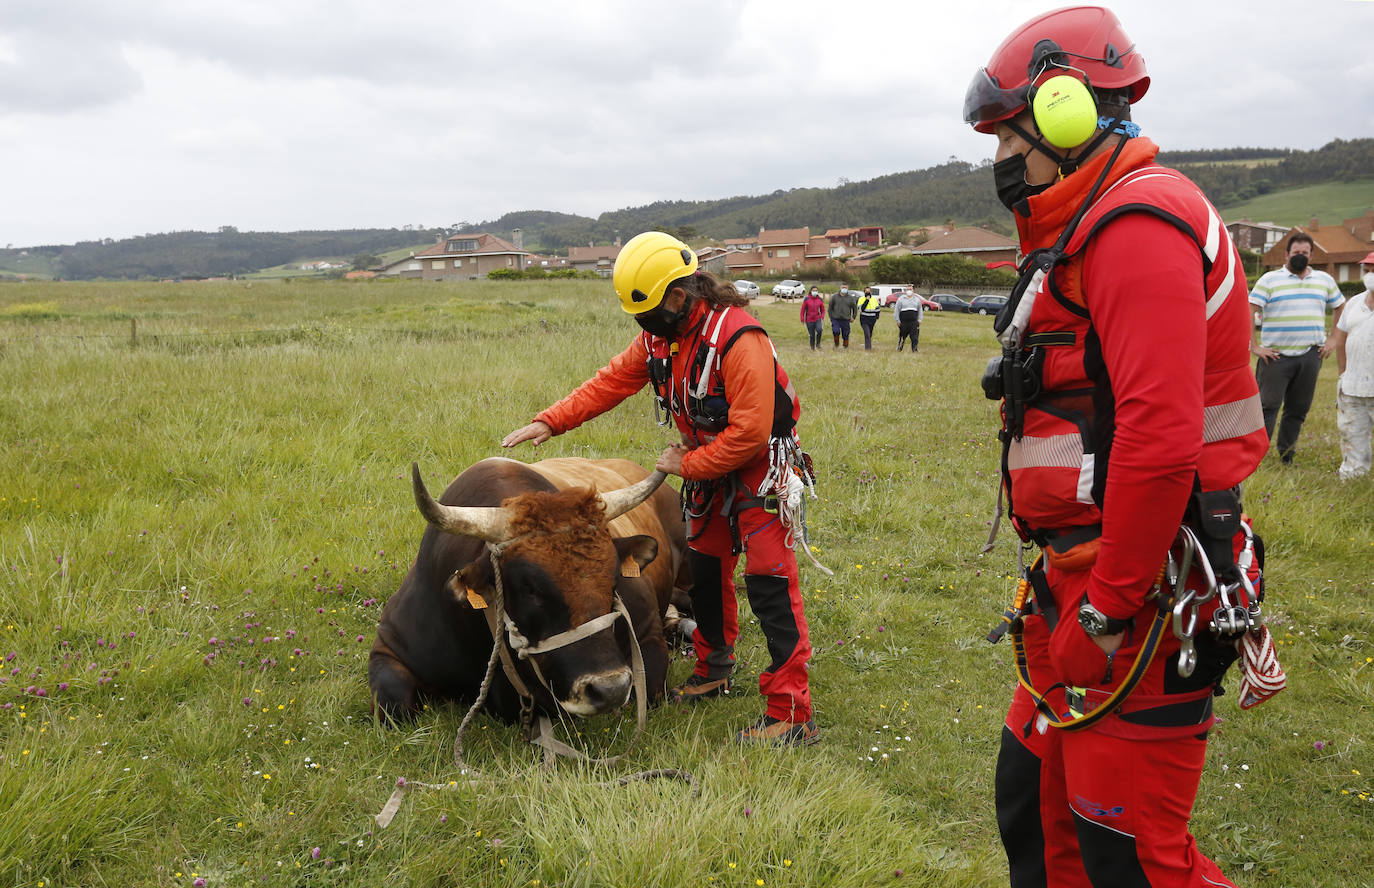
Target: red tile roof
{"x":486,"y":243}
{"x":784,"y":237}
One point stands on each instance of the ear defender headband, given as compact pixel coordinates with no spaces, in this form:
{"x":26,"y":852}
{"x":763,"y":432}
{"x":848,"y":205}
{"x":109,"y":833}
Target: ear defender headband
{"x":1063,"y":106}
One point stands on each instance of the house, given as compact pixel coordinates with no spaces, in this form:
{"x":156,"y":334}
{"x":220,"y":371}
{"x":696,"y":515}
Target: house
{"x":784,"y":249}
{"x":712,"y":259}
{"x":978,"y":244}
{"x":740,"y":244}
{"x":600,"y":259}
{"x":745,"y":264}
{"x":1336,"y":249}
{"x":1257,"y":237}
{"x":547,"y":263}
{"x":859,"y":263}
{"x":870,"y":236}
{"x":820,"y":249}
{"x":459,"y":257}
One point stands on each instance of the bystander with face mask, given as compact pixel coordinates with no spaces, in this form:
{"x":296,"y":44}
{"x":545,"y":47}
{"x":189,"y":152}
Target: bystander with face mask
{"x":1354,"y":344}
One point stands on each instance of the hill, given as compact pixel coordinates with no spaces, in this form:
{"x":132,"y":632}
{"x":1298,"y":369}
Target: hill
{"x":1332,"y":182}
{"x":1329,"y":202}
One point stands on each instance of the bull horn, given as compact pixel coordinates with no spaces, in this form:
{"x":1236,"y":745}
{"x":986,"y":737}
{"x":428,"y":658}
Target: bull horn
{"x":618,"y":502}
{"x":490,"y":524}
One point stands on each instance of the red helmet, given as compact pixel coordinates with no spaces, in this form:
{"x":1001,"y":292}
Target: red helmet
{"x":1085,"y":39}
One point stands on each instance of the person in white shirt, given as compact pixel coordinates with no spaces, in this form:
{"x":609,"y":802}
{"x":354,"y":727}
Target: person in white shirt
{"x":907,"y":311}
{"x":1354,"y":342}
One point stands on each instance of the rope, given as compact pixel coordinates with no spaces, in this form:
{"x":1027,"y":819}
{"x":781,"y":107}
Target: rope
{"x":538,"y":729}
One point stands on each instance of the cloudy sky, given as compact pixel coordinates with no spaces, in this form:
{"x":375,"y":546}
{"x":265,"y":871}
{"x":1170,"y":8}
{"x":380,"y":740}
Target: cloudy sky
{"x":125,"y":117}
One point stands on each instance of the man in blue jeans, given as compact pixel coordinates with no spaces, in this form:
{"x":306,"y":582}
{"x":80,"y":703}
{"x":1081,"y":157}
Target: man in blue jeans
{"x":1292,"y":302}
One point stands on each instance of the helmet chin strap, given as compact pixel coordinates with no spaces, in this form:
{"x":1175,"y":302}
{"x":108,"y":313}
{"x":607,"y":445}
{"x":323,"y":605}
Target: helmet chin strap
{"x":1064,"y":162}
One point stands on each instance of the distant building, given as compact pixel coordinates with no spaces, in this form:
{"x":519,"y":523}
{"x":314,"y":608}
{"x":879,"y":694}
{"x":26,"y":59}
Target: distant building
{"x":977,"y":244}
{"x":784,"y":249}
{"x":459,"y":257}
{"x":600,"y":259}
{"x":1336,"y":249}
{"x":1257,"y":237}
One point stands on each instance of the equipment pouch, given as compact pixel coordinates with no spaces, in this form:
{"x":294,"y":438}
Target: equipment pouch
{"x":1215,"y":516}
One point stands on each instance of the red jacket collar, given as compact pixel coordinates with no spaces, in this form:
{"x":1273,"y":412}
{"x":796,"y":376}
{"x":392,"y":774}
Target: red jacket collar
{"x":1051,"y":209}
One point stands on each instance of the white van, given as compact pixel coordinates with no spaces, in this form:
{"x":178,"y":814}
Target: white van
{"x":887,"y":293}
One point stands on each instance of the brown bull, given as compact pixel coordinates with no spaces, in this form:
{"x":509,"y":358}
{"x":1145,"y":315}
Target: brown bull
{"x":565,"y":549}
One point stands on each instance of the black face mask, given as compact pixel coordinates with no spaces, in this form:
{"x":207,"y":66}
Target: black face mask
{"x":661,"y":322}
{"x":1009,"y":175}
{"x":1297,"y":262}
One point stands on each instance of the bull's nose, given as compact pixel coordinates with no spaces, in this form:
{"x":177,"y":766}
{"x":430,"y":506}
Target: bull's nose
{"x":603,"y":692}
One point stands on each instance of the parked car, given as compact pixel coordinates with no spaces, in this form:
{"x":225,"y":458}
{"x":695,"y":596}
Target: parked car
{"x":789,"y":289}
{"x":747,"y":288}
{"x":949,"y":302}
{"x":987,"y":304}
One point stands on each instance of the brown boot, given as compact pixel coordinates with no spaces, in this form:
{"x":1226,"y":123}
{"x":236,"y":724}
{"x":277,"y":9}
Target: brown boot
{"x":769,"y":731}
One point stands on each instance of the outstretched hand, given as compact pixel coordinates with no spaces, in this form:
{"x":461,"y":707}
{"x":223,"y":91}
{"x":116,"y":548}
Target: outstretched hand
{"x":670,"y":460}
{"x":537,"y":431}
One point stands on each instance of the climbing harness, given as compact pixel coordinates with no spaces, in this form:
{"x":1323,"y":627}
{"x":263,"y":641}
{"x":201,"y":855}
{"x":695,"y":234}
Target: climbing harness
{"x":1237,"y":619}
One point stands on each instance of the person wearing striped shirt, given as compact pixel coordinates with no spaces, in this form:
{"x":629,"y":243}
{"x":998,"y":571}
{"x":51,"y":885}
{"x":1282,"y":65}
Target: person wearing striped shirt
{"x":1292,"y":303}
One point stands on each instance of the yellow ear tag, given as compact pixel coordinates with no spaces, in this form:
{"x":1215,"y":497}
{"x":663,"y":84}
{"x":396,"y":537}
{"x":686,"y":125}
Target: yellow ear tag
{"x":629,"y":567}
{"x":477,"y":601}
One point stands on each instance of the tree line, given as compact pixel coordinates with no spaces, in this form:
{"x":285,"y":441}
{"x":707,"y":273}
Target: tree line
{"x":954,"y":191}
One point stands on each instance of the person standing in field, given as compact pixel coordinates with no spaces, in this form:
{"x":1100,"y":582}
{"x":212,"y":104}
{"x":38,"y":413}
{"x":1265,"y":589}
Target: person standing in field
{"x":907,"y":311}
{"x":870,"y":306}
{"x":843,"y":307}
{"x":1354,"y":343}
{"x":714,"y":369}
{"x":1125,"y":387}
{"x":812,"y":314}
{"x":1292,"y":301}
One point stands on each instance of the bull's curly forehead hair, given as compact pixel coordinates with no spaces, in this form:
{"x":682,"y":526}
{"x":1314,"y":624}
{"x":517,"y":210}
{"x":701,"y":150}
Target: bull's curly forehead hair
{"x":576,"y":515}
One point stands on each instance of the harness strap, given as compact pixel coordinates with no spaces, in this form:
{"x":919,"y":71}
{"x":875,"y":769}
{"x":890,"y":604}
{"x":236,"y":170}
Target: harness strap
{"x":1078,"y":720}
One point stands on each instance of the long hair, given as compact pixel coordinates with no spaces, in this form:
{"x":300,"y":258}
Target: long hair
{"x":705,"y":285}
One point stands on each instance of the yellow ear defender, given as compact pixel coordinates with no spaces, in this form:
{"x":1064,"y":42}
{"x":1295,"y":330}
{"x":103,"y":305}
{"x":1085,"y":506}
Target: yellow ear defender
{"x":1064,"y":111}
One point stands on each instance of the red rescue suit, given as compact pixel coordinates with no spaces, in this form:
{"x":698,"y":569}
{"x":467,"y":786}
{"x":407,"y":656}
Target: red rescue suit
{"x":1141,"y":343}
{"x":724,"y":359}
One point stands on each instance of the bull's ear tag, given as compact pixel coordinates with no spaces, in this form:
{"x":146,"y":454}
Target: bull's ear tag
{"x":629,"y":567}
{"x":461,"y":591}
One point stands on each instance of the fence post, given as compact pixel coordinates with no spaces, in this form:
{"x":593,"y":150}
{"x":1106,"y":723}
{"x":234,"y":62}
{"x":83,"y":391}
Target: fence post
{"x":133,"y":332}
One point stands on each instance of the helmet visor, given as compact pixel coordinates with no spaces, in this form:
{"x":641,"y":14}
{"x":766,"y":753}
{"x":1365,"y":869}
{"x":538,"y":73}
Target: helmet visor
{"x":986,"y":103}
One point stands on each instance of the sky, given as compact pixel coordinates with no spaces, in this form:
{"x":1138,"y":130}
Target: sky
{"x":127,"y":117}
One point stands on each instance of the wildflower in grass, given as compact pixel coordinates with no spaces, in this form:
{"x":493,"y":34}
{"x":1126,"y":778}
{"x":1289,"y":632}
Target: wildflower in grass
{"x":199,"y":883}
{"x":1319,"y":745}
{"x":315,"y":853}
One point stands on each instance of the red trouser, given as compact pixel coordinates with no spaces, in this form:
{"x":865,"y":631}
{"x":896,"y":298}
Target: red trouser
{"x":770,"y":581}
{"x":1107,"y":805}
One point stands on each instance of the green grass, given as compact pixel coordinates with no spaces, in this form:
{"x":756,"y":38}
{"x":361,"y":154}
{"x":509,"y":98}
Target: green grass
{"x":1330,"y":202}
{"x":198,"y":524}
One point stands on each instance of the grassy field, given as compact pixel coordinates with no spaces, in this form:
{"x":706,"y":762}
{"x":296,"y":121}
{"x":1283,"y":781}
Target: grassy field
{"x":204,"y":501}
{"x":1330,"y":202}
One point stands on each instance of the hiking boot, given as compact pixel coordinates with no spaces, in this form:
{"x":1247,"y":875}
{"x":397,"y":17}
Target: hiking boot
{"x":769,"y":731}
{"x":699,"y":688}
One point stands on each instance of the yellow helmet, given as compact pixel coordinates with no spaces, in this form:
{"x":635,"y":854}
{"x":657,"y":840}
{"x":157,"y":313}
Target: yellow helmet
{"x":647,"y":264}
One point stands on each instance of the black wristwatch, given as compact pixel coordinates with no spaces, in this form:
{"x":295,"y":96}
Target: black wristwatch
{"x":1096,"y":623}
